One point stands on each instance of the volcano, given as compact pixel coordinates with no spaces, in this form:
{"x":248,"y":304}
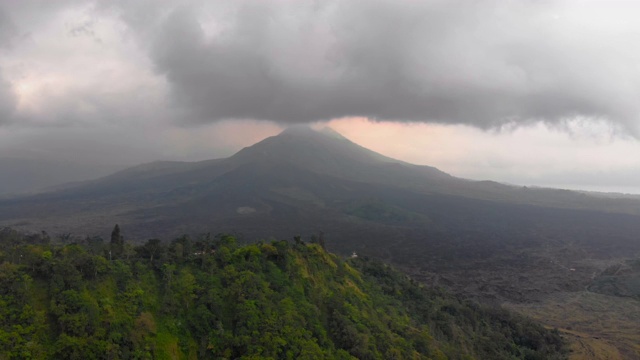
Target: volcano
{"x":305,"y":181}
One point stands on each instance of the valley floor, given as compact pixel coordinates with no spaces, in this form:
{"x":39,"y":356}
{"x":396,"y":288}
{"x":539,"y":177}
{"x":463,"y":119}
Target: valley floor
{"x":599,"y":326}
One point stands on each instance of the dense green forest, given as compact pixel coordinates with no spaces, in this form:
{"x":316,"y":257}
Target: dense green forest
{"x":209,"y":298}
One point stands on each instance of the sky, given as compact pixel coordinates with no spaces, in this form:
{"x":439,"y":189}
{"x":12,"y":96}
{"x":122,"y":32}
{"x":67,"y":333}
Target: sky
{"x":528,"y":92}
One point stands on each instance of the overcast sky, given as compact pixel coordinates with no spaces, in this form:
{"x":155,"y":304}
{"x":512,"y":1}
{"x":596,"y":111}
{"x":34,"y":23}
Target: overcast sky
{"x":536,"y":92}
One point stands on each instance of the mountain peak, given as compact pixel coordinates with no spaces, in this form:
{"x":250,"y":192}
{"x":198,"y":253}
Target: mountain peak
{"x":327,"y":152}
{"x":306,"y":130}
{"x":298,"y":130}
{"x":304,"y":145}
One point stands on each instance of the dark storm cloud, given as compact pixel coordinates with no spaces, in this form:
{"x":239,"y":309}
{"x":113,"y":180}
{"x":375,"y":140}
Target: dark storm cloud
{"x":483,"y":63}
{"x":473,"y":62}
{"x":8,"y":33}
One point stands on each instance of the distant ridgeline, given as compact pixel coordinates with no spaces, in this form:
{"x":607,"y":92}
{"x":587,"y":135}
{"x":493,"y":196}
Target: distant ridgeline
{"x":212,"y":299}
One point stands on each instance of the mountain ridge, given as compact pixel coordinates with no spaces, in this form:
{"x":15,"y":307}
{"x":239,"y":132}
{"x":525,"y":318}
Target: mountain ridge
{"x":292,"y":161}
{"x":327,"y":152}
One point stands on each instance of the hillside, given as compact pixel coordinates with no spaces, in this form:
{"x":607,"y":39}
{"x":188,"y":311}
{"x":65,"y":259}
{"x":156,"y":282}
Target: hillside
{"x":213,"y":299}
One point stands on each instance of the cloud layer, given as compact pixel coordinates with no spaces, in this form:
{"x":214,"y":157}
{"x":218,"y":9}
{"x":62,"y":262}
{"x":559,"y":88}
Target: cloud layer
{"x":482,"y":63}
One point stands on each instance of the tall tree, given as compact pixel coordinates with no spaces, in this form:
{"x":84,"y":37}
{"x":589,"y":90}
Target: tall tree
{"x":117,"y":242}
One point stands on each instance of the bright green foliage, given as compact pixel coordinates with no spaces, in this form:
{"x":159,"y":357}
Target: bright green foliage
{"x":22,"y":328}
{"x":213,"y":299}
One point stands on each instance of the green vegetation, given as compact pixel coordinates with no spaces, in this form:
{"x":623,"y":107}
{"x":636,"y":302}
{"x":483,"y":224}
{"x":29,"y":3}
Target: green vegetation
{"x":210,"y":298}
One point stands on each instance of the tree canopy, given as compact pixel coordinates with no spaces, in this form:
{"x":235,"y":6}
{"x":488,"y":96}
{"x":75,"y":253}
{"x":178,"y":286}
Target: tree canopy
{"x":210,"y":298}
